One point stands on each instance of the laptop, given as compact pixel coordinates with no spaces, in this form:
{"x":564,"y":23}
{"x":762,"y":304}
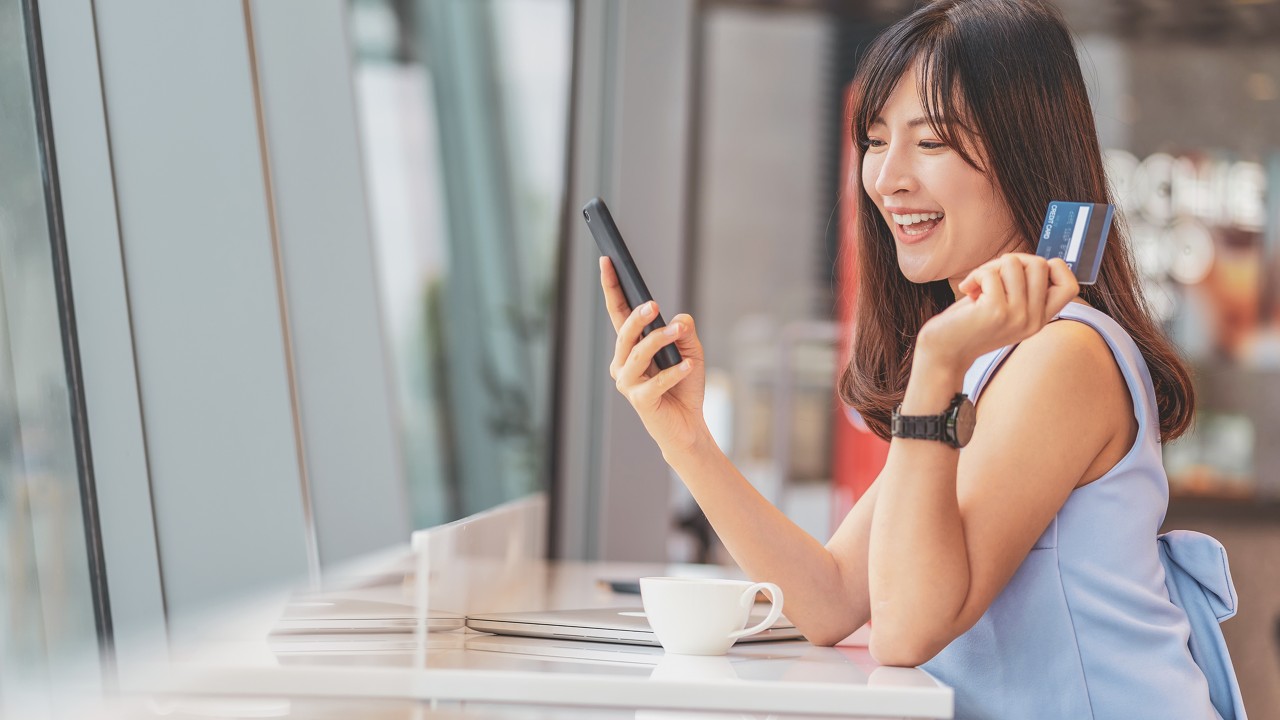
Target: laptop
{"x":354,"y":613}
{"x":611,"y":625}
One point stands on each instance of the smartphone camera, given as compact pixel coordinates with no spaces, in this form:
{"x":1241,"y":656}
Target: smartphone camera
{"x":586,"y":215}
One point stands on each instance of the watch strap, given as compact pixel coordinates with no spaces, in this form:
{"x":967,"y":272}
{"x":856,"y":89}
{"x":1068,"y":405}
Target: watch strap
{"x":918,"y":427}
{"x":927,"y":427}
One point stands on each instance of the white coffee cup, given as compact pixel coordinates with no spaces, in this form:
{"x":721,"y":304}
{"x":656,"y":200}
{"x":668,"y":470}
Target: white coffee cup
{"x":704,"y":616}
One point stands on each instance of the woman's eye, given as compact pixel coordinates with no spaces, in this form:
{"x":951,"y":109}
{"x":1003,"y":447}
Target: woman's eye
{"x":873,"y":143}
{"x":931,"y":145}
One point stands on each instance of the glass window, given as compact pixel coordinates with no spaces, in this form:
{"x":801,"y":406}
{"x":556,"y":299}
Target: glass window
{"x":46,"y":593}
{"x":463,"y":108}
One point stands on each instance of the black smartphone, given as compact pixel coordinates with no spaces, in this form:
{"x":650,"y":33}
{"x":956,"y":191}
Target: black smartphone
{"x":624,"y":587}
{"x":609,"y":240}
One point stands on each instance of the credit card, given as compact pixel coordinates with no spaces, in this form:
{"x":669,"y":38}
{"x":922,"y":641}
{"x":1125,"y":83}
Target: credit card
{"x":1077,"y":233}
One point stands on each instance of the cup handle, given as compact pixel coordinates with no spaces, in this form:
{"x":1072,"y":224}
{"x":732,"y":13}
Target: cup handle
{"x":775,"y":610}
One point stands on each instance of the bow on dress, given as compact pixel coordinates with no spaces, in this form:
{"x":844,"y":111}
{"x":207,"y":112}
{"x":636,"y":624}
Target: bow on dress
{"x":1199,"y":582}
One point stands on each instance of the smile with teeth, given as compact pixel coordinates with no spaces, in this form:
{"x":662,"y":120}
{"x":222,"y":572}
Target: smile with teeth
{"x":917,"y":223}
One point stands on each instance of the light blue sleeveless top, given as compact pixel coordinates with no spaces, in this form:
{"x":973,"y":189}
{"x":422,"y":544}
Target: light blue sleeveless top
{"x":1102,"y":619}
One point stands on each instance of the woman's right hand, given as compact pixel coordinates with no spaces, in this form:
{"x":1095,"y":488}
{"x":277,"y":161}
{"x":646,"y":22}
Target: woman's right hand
{"x":669,"y":402}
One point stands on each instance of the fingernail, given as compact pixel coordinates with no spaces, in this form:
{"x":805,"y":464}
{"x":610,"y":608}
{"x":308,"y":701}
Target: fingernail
{"x":685,"y":365}
{"x":646,"y":309}
{"x":671,"y":330}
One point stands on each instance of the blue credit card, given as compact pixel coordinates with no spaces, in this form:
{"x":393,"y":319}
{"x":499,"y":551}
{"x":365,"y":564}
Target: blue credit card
{"x":1077,"y":233}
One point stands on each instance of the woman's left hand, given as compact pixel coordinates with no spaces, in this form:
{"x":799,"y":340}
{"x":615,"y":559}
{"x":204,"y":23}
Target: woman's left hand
{"x":1005,"y":301}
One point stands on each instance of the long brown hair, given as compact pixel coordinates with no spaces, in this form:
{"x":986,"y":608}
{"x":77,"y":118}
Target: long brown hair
{"x":1001,"y":76}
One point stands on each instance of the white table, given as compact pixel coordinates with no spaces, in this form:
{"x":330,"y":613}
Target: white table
{"x":478,"y":675}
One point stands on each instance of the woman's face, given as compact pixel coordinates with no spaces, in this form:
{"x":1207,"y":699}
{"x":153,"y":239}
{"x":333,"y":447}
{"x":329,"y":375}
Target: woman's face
{"x":947,"y":217}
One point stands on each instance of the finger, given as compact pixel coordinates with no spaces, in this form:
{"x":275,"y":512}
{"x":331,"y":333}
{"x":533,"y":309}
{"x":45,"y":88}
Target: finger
{"x":614,"y":301}
{"x":637,"y":364}
{"x":687,"y":342}
{"x":1062,"y":286}
{"x":649,"y":392}
{"x":992,"y":286}
{"x":629,"y":334}
{"x":1037,"y":272}
{"x":1013,"y":275}
{"x":972,"y":284}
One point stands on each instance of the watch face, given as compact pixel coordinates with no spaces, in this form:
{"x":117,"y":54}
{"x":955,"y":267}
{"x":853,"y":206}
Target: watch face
{"x":966,"y":416}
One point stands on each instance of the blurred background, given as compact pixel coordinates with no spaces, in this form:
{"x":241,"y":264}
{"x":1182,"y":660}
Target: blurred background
{"x":283,"y":281}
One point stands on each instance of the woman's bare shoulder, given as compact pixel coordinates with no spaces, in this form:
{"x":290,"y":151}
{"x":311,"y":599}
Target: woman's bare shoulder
{"x":1070,"y":374}
{"x":1064,"y":354}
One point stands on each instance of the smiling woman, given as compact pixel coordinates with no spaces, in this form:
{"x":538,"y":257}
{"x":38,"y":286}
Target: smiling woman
{"x":1020,"y":563}
{"x":972,"y":117}
{"x":997,"y":141}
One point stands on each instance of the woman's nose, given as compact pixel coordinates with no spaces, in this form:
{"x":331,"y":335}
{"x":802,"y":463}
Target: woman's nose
{"x":895,"y":174}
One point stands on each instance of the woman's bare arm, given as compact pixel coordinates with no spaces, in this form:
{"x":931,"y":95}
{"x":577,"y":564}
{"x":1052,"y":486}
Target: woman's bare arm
{"x":825,"y":587}
{"x":826,"y":590}
{"x":928,"y":549}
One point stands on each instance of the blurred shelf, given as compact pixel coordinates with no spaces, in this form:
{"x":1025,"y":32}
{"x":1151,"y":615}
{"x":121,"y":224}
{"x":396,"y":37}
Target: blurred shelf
{"x":1186,"y":507}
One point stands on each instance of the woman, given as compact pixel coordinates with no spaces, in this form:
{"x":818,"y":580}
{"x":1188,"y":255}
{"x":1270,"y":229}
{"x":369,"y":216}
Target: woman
{"x":1024,"y":571}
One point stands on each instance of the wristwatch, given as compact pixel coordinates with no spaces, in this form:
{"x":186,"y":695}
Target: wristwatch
{"x":954,"y":426}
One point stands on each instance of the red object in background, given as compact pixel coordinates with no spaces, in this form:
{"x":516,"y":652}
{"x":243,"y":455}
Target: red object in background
{"x":857,"y":454}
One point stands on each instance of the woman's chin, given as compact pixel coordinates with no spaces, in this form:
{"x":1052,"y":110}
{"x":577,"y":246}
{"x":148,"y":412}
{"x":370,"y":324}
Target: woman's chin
{"x":916,"y":273}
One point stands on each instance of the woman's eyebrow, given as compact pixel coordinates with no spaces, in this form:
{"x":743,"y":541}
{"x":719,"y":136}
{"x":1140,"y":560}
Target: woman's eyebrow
{"x":912,"y":123}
